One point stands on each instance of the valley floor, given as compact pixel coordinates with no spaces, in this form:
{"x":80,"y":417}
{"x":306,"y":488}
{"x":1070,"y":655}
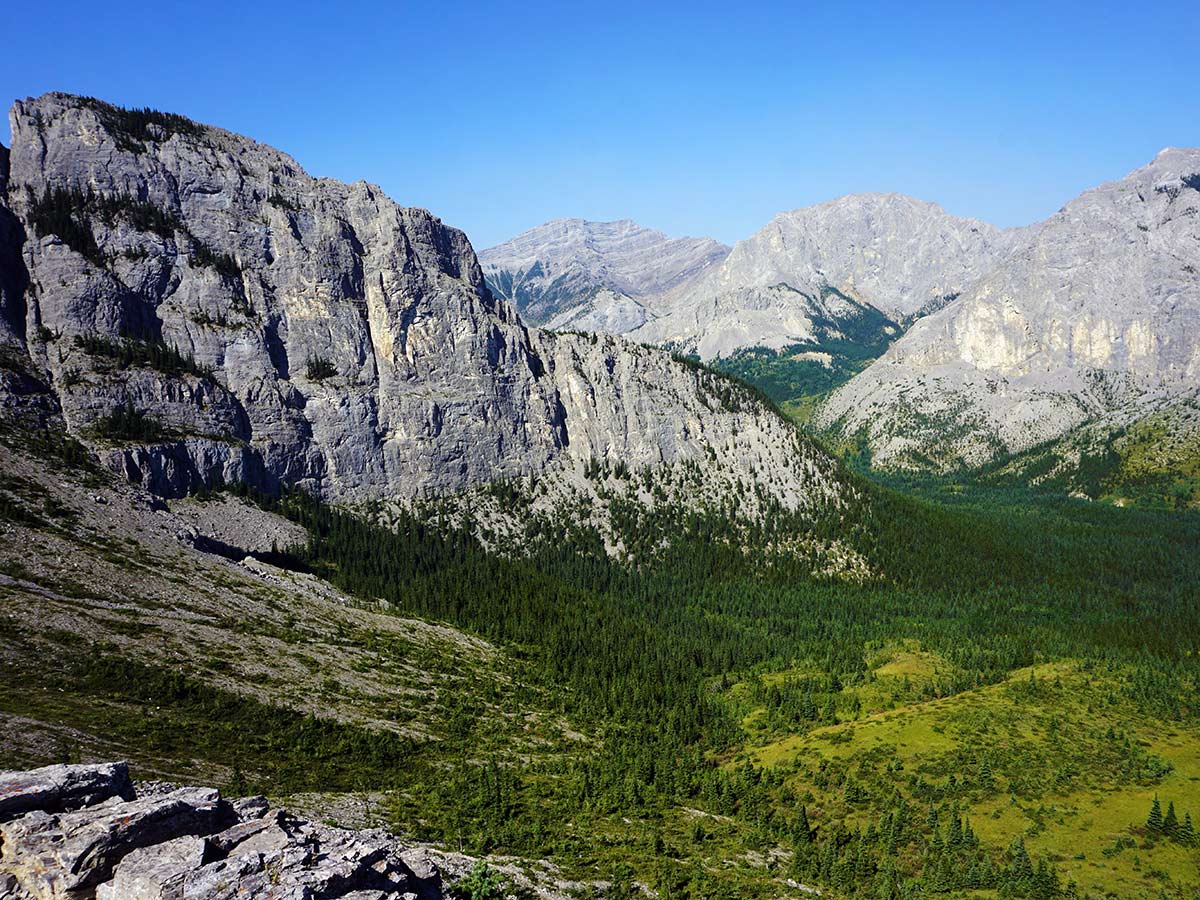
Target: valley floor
{"x":995,"y":715}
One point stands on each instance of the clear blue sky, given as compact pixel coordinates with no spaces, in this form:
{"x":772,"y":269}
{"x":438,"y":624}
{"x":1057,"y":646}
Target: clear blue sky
{"x":694,"y":118}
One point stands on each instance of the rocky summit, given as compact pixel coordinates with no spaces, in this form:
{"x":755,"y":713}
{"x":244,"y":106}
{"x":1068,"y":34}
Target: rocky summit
{"x":87,"y":831}
{"x":886,"y":252}
{"x":1093,"y":316}
{"x":565,"y":273}
{"x":199,"y":310}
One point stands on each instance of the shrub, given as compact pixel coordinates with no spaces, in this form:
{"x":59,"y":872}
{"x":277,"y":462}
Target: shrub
{"x":318,"y":368}
{"x":481,"y":883}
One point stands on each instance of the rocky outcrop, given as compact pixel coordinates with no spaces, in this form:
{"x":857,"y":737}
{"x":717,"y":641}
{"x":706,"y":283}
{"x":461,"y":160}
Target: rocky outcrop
{"x":64,"y":841}
{"x":855,"y":269}
{"x":556,"y":273}
{"x":884,"y":252}
{"x":602,"y":312}
{"x":1093,"y":316}
{"x":326,"y":336}
{"x":62,"y":788}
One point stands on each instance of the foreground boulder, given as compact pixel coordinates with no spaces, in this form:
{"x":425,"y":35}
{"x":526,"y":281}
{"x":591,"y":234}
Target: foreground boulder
{"x":81,"y":832}
{"x":62,"y":788}
{"x":52,"y":855}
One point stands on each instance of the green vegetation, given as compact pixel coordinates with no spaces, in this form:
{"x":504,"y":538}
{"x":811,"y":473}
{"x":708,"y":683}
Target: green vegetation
{"x":482,"y":883}
{"x":281,"y":202}
{"x":318,"y":368}
{"x":1155,"y":461}
{"x":992,"y":717}
{"x":173,"y":715}
{"x":68,"y":214}
{"x":126,"y":423}
{"x":799,"y":376}
{"x":132,"y":128}
{"x":637,"y":654}
{"x":152,"y":353}
{"x":225,"y":263}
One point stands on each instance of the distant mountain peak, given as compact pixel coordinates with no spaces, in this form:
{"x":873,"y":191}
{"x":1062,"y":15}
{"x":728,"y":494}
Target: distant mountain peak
{"x":553,"y":268}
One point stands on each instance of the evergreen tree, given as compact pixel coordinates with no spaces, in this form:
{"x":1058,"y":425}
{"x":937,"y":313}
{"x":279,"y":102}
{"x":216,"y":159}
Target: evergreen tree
{"x":1154,"y":821}
{"x":954,"y":834}
{"x":803,"y":830}
{"x":1170,"y":824}
{"x":1187,"y":833}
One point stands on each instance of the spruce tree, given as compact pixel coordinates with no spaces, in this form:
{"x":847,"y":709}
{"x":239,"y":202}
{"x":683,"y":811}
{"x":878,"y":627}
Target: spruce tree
{"x":954,"y":835}
{"x":1187,"y":833}
{"x":1154,"y":821}
{"x":1170,"y":823}
{"x":803,"y":830}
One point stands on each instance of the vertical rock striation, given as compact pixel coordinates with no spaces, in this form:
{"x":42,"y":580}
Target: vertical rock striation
{"x":326,"y":336}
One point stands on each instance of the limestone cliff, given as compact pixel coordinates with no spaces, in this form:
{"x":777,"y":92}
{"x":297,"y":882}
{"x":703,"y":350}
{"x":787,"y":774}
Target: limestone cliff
{"x":203,"y":309}
{"x":1093,"y":316}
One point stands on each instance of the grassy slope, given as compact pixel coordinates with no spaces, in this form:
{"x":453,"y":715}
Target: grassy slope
{"x":119,"y":640}
{"x":1060,"y":780}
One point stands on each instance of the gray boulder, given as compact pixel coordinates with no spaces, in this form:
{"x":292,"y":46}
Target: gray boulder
{"x":51,"y":855}
{"x":62,"y":788}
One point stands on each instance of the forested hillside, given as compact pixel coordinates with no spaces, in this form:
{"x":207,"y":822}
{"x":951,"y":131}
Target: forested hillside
{"x":993,"y":710}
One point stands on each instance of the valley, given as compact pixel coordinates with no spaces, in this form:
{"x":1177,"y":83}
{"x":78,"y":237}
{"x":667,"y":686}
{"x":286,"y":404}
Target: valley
{"x":754,"y":597}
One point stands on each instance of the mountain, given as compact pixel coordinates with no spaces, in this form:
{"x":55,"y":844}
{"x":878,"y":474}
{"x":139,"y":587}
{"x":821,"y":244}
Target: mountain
{"x":199,"y":310}
{"x":883,"y":253}
{"x":1092,"y":318}
{"x":796,"y":309}
{"x":561,"y":271}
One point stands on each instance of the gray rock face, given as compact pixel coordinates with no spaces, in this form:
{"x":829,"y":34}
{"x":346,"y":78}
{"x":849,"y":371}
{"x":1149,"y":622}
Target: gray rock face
{"x":62,"y":788}
{"x":12,"y":272}
{"x":553,"y":269}
{"x":341,"y":342}
{"x":52,"y":855}
{"x":603,"y":312}
{"x":191,"y":845}
{"x":898,"y":255}
{"x":1097,"y":312}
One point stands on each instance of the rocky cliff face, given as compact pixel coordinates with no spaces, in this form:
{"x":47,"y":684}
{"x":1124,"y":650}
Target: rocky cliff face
{"x":888,"y":252}
{"x":1094,"y":315}
{"x":567,"y":272}
{"x":327,"y":337}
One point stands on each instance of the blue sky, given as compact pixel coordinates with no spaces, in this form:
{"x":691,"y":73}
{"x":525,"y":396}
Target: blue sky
{"x":694,"y":118}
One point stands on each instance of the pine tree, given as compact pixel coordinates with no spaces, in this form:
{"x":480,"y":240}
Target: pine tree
{"x":1187,"y":833}
{"x":1155,"y":820}
{"x":803,"y":830}
{"x":1170,"y":823}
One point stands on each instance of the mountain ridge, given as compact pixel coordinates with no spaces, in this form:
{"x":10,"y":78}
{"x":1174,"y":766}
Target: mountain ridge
{"x":201,"y":311}
{"x":1094,"y":314}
